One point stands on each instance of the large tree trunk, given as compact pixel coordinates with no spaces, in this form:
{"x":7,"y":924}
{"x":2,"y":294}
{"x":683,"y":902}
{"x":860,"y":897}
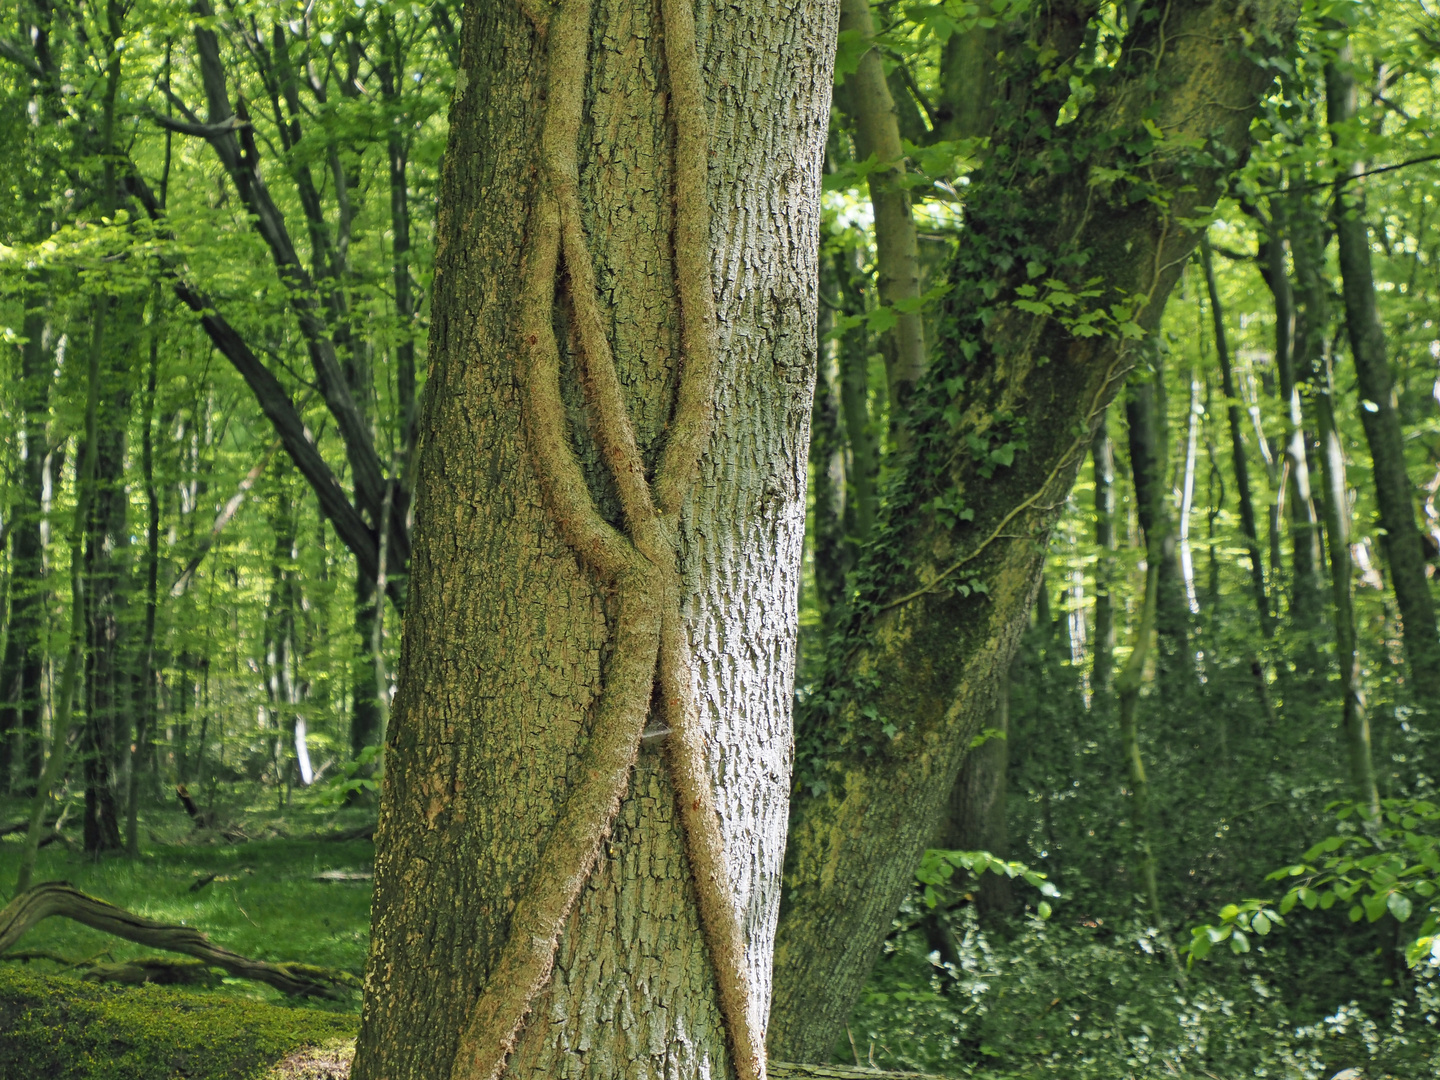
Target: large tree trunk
{"x":509,"y":639}
{"x":880,"y":742}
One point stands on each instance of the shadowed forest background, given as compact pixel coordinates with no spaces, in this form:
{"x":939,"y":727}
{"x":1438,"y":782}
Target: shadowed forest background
{"x":1196,"y":835}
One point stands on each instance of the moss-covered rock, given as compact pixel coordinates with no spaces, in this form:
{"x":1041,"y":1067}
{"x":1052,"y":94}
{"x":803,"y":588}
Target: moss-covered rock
{"x":62,"y":1029}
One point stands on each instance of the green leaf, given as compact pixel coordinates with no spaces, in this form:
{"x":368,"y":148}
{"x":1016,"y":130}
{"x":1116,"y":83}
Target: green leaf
{"x":1260,"y":924}
{"x":1399,"y":905}
{"x":1239,"y":943}
{"x":1043,"y":909}
{"x":1374,"y":906}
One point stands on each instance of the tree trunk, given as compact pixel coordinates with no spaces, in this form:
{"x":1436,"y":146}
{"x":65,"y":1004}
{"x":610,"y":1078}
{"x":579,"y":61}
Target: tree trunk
{"x":512,"y":647}
{"x":879,"y":743}
{"x":1103,"y":671}
{"x":145,"y":699}
{"x":865,"y":97}
{"x":1306,"y":604}
{"x":1149,"y":470}
{"x":1238,"y":457}
{"x":107,"y":675}
{"x":831,"y":551}
{"x":24,"y":665}
{"x":1394,"y":494}
{"x":863,"y":476}
{"x":1127,"y":690}
{"x":975,"y":816}
{"x":1354,"y":718}
{"x":1308,"y":244}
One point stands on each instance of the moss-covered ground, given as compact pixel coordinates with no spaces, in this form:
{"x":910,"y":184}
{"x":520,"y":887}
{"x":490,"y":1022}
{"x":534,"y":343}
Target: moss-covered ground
{"x":261,"y":897}
{"x":54,"y":1028}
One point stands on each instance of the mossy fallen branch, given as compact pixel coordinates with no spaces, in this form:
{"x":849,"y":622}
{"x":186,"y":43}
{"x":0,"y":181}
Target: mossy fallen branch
{"x":58,"y":898}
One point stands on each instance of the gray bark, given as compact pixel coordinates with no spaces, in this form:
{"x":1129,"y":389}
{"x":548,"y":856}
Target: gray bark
{"x":506,"y":638}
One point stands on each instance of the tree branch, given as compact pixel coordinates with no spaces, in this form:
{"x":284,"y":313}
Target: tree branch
{"x":57,"y":898}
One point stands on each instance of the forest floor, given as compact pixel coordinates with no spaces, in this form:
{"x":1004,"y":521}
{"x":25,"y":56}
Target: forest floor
{"x":1065,"y":999}
{"x":283,"y":895}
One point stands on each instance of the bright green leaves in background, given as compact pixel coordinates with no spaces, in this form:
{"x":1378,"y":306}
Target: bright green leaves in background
{"x":1389,"y":865}
{"x":937,"y":869}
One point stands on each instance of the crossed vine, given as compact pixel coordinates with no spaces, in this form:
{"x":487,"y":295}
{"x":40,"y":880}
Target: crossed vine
{"x":639,"y":565}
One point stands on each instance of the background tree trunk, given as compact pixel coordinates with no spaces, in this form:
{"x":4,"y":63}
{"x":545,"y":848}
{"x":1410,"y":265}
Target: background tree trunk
{"x":1394,"y":493}
{"x":881,"y":740}
{"x":24,"y":664}
{"x":507,"y":639}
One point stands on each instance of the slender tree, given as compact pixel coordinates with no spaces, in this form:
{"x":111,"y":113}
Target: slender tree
{"x":1394,"y":493}
{"x":1238,"y":456}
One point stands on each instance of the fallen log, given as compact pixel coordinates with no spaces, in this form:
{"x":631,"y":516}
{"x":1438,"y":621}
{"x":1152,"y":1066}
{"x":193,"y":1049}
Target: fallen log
{"x":59,"y":898}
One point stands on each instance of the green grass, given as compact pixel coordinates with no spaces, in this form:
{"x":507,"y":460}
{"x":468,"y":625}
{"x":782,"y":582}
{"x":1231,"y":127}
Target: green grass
{"x":263,"y":901}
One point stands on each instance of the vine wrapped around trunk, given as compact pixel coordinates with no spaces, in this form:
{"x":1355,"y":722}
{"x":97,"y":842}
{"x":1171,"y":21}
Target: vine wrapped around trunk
{"x":609,"y":518}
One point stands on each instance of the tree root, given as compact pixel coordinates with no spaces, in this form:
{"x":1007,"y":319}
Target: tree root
{"x":58,"y":898}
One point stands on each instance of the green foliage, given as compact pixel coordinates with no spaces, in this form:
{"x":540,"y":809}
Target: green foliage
{"x":937,"y":868}
{"x":1391,"y":866}
{"x":1094,"y":1002}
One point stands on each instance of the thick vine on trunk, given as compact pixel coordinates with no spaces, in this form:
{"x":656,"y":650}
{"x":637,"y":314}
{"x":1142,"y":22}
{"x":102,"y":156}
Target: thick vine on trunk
{"x":1002,"y":424}
{"x":521,"y":803}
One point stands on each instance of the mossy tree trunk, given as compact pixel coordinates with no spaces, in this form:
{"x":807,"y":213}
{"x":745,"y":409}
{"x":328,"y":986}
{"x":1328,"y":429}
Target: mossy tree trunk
{"x":509,"y":638}
{"x":1001,"y":428}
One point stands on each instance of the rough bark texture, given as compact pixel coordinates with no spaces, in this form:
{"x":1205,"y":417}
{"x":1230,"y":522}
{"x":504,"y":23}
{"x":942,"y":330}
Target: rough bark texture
{"x":923,"y":656}
{"x":508,"y":638}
